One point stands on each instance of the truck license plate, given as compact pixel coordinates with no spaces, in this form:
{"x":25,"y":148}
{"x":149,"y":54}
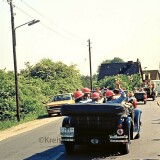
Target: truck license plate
{"x":67,"y":132}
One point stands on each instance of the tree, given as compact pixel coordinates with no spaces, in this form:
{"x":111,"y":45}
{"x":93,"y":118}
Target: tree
{"x":36,"y":85}
{"x":59,"y":76}
{"x":117,"y":60}
{"x":7,"y":95}
{"x":114,"y":60}
{"x":127,"y":82}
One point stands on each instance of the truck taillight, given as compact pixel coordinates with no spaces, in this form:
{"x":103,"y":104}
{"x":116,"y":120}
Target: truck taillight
{"x":145,"y":96}
{"x":119,"y":126}
{"x":120,"y":122}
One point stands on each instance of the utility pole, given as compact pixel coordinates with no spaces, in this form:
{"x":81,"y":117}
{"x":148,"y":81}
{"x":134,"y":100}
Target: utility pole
{"x":15,"y":60}
{"x":14,"y":54}
{"x":90,"y":64}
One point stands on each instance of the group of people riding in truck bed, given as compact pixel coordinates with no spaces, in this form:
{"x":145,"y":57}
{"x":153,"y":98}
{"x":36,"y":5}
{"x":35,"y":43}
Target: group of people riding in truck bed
{"x":117,"y":95}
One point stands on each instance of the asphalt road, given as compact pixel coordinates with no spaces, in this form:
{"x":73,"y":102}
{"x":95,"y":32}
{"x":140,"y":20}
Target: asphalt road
{"x":43,"y":143}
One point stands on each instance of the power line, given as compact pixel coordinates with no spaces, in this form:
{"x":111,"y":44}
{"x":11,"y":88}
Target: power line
{"x":40,"y":14}
{"x":44,"y":25}
{"x":77,"y":41}
{"x":53,"y":30}
{"x":24,"y":12}
{"x":48,"y":27}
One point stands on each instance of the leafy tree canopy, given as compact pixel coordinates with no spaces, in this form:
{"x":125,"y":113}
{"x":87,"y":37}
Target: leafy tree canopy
{"x":127,"y":82}
{"x":114,"y":60}
{"x":59,"y":76}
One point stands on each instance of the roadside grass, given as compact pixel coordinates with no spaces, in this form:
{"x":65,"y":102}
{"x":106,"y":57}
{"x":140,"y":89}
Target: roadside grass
{"x":10,"y":123}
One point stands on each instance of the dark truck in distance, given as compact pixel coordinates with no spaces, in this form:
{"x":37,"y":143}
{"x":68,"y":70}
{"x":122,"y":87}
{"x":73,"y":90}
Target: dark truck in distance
{"x":141,"y":96}
{"x":150,"y":93}
{"x":85,"y":124}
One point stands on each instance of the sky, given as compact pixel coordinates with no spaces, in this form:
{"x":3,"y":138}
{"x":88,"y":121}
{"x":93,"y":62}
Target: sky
{"x":128,"y":29}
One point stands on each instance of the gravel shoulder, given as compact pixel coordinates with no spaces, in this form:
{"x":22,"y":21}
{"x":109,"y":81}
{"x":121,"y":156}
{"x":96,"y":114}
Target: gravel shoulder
{"x":21,"y":128}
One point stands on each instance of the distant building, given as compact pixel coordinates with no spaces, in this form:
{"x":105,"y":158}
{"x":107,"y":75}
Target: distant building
{"x":151,"y":75}
{"x":126,"y":68}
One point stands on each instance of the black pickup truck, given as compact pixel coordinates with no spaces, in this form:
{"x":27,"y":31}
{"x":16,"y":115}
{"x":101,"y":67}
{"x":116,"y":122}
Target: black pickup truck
{"x":85,"y":124}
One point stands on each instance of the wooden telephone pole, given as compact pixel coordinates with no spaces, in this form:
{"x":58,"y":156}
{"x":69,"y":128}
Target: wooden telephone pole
{"x":15,"y":60}
{"x":90,"y":64}
{"x":14,"y":53}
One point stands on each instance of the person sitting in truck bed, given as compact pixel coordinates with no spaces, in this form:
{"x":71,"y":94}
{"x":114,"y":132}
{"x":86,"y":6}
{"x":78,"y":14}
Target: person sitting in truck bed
{"x":78,"y":96}
{"x":141,"y":89}
{"x":110,"y":95}
{"x":116,"y":93}
{"x":135,"y":90}
{"x":131,"y":100}
{"x":86,"y":97}
{"x":96,"y":98}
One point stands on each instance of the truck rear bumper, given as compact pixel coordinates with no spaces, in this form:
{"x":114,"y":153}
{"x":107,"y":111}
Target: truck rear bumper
{"x":96,"y":140}
{"x":115,"y":138}
{"x":51,"y":111}
{"x":68,"y":134}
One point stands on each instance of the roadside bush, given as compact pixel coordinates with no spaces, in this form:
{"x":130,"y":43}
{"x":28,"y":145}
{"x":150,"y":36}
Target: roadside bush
{"x":36,"y":84}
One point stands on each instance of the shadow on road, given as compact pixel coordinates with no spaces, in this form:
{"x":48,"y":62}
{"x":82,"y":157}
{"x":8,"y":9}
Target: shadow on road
{"x":46,"y":116}
{"x":140,"y":103}
{"x":46,"y":155}
{"x":80,"y":153}
{"x":156,"y":140}
{"x":93,"y":153}
{"x":157,"y":121}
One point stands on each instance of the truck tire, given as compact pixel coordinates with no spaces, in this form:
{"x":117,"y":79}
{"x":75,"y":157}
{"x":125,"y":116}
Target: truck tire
{"x":50,"y":115}
{"x":124,"y":148}
{"x":69,"y":147}
{"x":137,"y":136}
{"x":154,"y":97}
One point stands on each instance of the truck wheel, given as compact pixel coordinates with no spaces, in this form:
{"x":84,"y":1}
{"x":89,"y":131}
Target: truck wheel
{"x":137,"y":136}
{"x":50,"y":115}
{"x":154,"y":97}
{"x":69,"y":147}
{"x":124,"y":148}
{"x":131,"y":132}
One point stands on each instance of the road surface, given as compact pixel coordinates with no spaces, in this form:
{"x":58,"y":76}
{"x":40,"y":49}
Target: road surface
{"x":43,"y":143}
